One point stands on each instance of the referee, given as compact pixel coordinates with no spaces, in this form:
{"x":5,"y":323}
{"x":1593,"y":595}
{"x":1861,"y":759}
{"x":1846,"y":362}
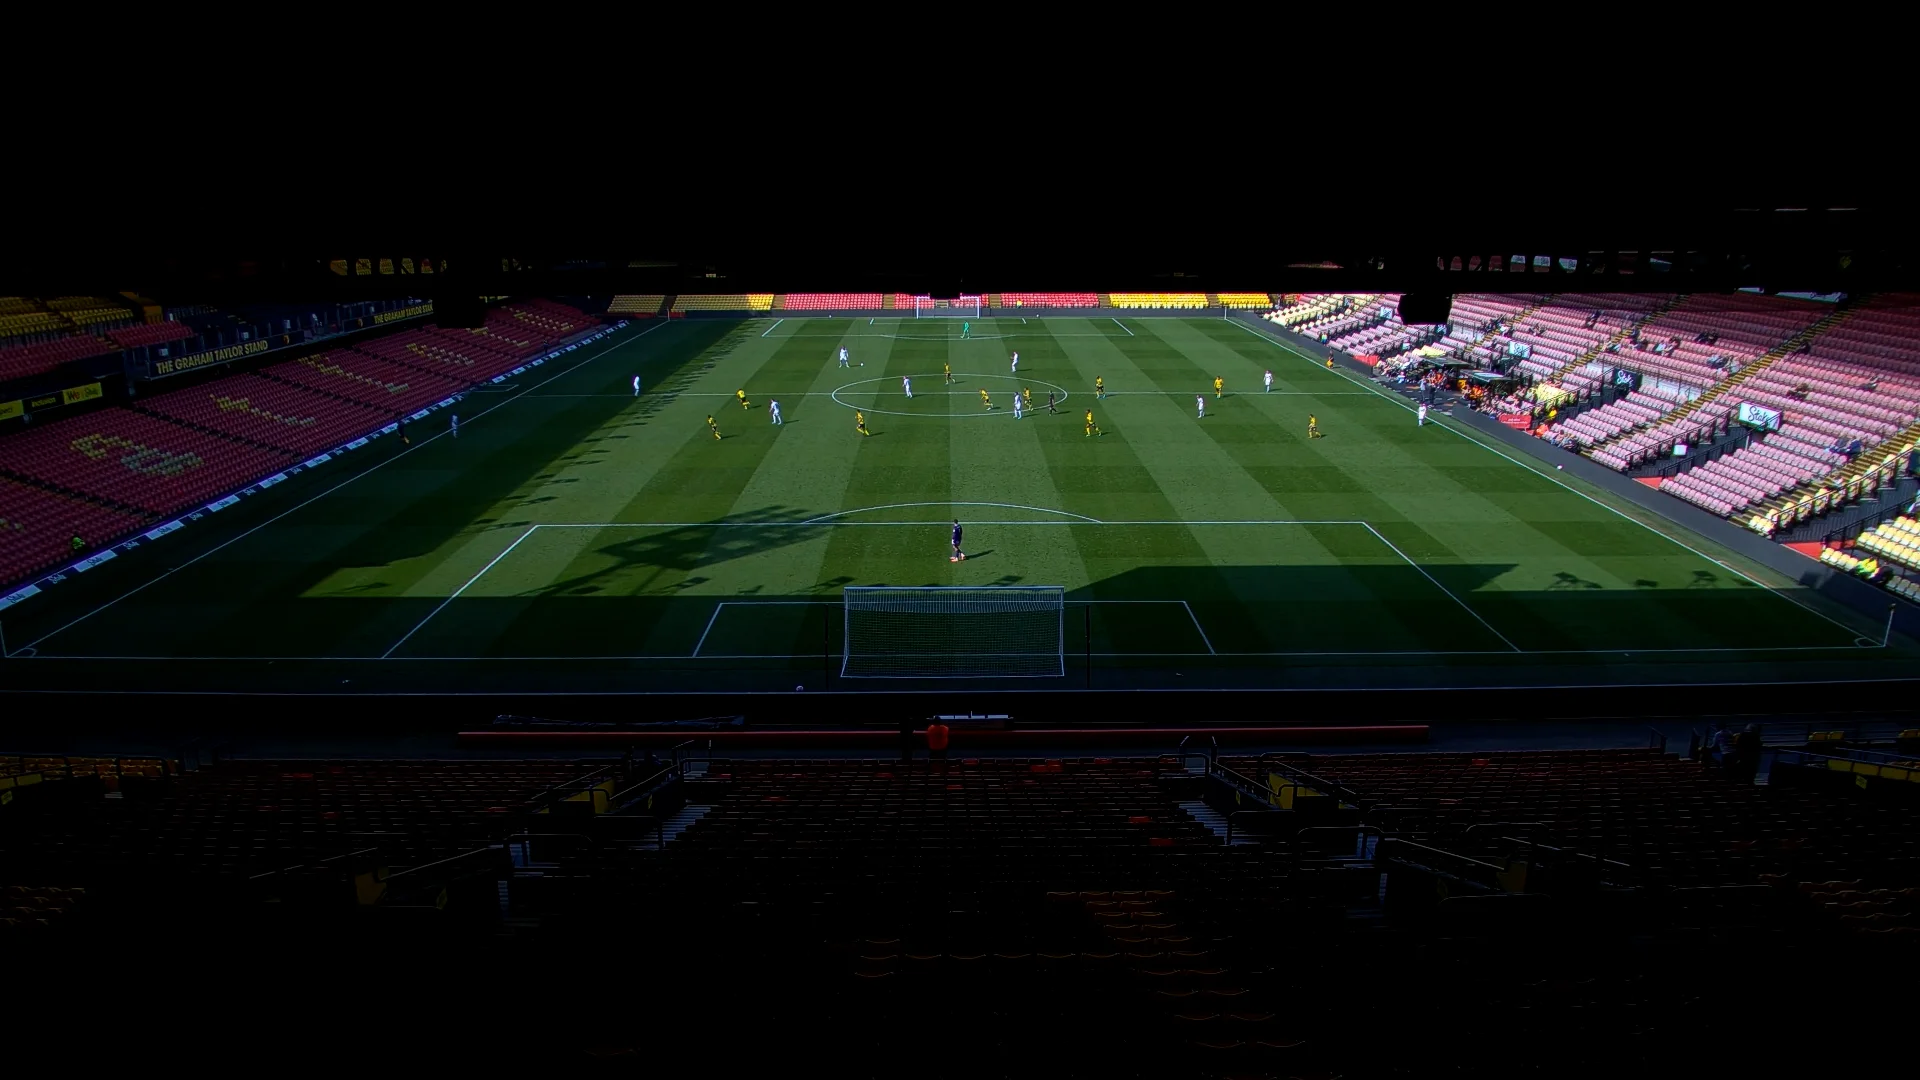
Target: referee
{"x":958,"y":555}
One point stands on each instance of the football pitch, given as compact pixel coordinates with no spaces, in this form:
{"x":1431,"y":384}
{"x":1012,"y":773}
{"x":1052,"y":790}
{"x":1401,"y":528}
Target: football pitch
{"x":575,"y":536}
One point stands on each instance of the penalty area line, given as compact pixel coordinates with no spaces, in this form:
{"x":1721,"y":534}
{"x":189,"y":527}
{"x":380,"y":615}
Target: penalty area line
{"x":711,"y":619}
{"x":456,"y":593}
{"x":1204,"y":640}
{"x":1442,"y":588}
{"x":1123,"y":326}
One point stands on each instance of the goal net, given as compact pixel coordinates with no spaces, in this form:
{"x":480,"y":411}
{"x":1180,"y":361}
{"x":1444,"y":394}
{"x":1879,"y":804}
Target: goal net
{"x":965,"y":307}
{"x":954,"y":632}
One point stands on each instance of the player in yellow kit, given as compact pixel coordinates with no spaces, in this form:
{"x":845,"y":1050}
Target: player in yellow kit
{"x":742,"y":395}
{"x":1099,"y":386}
{"x":1313,"y":427}
{"x":860,"y":423}
{"x":947,"y":369}
{"x":713,"y":427}
{"x":1092,"y":430}
{"x":1026,"y":396}
{"x":1219,"y":387}
{"x":985,"y":400}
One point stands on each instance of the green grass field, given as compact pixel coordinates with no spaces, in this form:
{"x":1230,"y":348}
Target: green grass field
{"x":577,"y":536}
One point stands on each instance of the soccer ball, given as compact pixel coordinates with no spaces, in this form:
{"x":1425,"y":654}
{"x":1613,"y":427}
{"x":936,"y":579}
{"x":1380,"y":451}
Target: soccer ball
{"x":1561,"y":468}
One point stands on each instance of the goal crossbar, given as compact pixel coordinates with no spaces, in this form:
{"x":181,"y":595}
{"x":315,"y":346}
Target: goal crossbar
{"x":954,"y":632}
{"x":964,"y":307}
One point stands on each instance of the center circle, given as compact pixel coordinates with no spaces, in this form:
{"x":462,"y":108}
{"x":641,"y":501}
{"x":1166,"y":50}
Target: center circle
{"x":941,"y":388}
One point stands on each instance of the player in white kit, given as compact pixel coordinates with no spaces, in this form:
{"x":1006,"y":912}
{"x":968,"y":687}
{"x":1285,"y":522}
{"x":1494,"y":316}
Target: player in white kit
{"x":843,"y":357}
{"x":1200,"y":403}
{"x":636,"y":386}
{"x":1016,"y":407}
{"x":456,"y":425}
{"x":907,"y":385}
{"x":1269,"y":382}
{"x":774,"y":408}
{"x":1016,"y":363}
{"x":1423,"y":415}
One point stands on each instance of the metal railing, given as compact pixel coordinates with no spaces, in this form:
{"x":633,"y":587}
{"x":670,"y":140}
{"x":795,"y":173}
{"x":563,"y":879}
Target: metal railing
{"x":1326,"y":787}
{"x":566,"y":789}
{"x":1242,"y":814}
{"x":1207,"y":755}
{"x":1359,"y":832}
{"x":1247,"y":785}
{"x":1711,"y":452}
{"x":437,"y":873}
{"x":1433,"y":858}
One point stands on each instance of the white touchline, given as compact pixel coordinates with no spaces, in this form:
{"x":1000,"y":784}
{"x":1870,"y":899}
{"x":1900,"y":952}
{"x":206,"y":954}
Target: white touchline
{"x":775,"y":326}
{"x":1489,"y":447}
{"x":378,"y":465}
{"x":825,"y":521}
{"x":948,"y":692}
{"x":1251,"y":396}
{"x":1196,"y":625}
{"x":711,"y":619}
{"x":1684,"y":650}
{"x":1442,"y":588}
{"x":456,"y":593}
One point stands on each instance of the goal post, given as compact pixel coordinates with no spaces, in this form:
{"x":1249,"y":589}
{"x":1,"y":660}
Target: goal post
{"x":964,"y":307}
{"x":954,"y":632}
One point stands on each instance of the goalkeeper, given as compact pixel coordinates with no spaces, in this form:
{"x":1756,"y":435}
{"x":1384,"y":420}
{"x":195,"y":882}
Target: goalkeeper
{"x":957,"y":555}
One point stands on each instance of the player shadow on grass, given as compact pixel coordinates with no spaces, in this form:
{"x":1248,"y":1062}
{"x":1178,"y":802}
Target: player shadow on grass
{"x":640,"y":561}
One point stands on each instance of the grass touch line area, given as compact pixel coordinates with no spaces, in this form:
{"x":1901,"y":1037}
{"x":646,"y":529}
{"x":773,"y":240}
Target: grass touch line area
{"x":1439,"y":418}
{"x":421,"y":445}
{"x":594,"y":540}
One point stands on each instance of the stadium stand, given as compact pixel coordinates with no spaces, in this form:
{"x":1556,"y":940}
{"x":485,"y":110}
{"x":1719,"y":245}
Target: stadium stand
{"x":21,"y":361}
{"x":1158,"y":300}
{"x":724,"y":302}
{"x":831,"y":301}
{"x":178,"y":448}
{"x":1245,"y":300}
{"x":367,"y":379}
{"x":1572,"y":911}
{"x":1597,"y":425}
{"x":37,"y":528}
{"x":1621,"y":805}
{"x":149,"y":334}
{"x":546,"y":320}
{"x":137,"y":461}
{"x":269,"y":413}
{"x":642,"y":305}
{"x":1897,"y":541}
{"x":84,"y":311}
{"x":1045,"y":299}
